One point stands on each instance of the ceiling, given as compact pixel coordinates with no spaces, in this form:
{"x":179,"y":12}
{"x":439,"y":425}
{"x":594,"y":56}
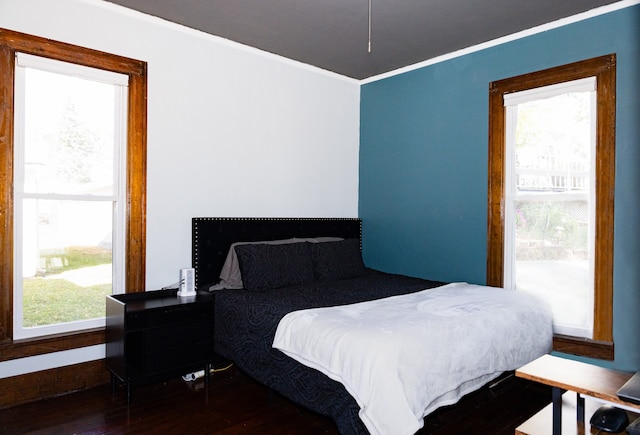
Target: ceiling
{"x":334,"y":34}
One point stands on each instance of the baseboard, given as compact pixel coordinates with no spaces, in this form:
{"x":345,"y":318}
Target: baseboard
{"x":58,"y":381}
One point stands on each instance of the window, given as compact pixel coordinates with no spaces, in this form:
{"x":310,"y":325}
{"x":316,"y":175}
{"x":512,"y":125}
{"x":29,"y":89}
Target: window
{"x":549,"y":199}
{"x":70,"y":136}
{"x":34,"y":217}
{"x":551,"y":179}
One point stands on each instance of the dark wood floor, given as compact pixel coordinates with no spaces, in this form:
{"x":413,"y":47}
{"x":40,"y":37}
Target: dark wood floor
{"x":234,"y":404}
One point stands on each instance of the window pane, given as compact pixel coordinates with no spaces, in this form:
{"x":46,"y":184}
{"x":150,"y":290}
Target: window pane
{"x":67,"y":260}
{"x":552,"y":259}
{"x":553,"y":207}
{"x":69,"y":134}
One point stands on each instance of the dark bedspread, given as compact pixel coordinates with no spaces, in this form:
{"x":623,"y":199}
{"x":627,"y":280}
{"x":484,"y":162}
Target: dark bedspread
{"x":246,"y":322}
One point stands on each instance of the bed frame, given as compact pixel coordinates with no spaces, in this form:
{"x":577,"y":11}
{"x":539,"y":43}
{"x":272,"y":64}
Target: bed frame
{"x":212,"y":237}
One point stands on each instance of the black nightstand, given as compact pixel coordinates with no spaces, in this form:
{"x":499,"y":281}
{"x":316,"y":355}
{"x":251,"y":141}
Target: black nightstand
{"x":152,"y":336}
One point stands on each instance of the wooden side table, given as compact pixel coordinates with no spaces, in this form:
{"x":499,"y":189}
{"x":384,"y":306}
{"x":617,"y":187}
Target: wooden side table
{"x":567,"y":375}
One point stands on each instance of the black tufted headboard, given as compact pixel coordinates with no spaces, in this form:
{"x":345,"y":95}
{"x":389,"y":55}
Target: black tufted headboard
{"x":212,"y":237}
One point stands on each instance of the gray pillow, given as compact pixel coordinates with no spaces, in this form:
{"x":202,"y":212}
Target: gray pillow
{"x":265,"y":267}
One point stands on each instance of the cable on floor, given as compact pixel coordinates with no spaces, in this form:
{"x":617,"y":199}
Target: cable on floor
{"x":189,"y":377}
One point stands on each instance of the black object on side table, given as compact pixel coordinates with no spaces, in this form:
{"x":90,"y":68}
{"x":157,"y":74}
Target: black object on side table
{"x":155,"y":335}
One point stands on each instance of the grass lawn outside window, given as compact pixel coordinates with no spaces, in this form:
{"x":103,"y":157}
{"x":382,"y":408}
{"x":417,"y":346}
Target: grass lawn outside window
{"x":52,"y":296}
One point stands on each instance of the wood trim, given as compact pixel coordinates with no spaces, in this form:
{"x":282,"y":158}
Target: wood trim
{"x":7,"y":66}
{"x":54,"y":343}
{"x":605,"y":192}
{"x":580,"y":346}
{"x":30,"y":44}
{"x":10,"y":43}
{"x":50,"y":383}
{"x":560,"y":74}
{"x":495,"y":208}
{"x":604,"y":69}
{"x":136,"y":184}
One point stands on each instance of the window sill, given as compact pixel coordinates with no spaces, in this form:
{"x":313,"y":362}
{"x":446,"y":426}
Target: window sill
{"x":51,"y":343}
{"x":584,"y":347}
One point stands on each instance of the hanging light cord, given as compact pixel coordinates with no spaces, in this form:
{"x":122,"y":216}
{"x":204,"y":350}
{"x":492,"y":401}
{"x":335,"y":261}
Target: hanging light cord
{"x":369,"y":47}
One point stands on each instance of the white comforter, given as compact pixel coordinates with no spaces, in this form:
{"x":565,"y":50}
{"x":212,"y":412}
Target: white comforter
{"x":404,"y":356}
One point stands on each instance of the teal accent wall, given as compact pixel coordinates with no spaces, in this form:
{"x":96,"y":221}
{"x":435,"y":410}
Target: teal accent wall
{"x":423,"y":161}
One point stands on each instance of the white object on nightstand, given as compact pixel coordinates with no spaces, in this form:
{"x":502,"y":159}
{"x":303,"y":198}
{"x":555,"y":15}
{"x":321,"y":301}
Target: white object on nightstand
{"x":187,"y":283}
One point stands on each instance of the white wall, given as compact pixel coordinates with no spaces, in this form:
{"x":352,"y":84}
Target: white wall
{"x":232,"y":131}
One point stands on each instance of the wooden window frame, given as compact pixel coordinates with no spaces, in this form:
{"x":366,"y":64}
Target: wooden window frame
{"x":604,"y":69}
{"x":135,"y":233}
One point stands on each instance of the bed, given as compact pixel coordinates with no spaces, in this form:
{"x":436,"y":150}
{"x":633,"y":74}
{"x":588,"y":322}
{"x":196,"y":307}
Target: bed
{"x":316,"y":265}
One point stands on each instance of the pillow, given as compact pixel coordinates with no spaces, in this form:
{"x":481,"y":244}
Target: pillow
{"x":337,"y":260}
{"x":230,"y":276}
{"x":265,"y":267}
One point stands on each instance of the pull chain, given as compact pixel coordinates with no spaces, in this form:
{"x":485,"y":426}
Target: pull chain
{"x":369,"y":46}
